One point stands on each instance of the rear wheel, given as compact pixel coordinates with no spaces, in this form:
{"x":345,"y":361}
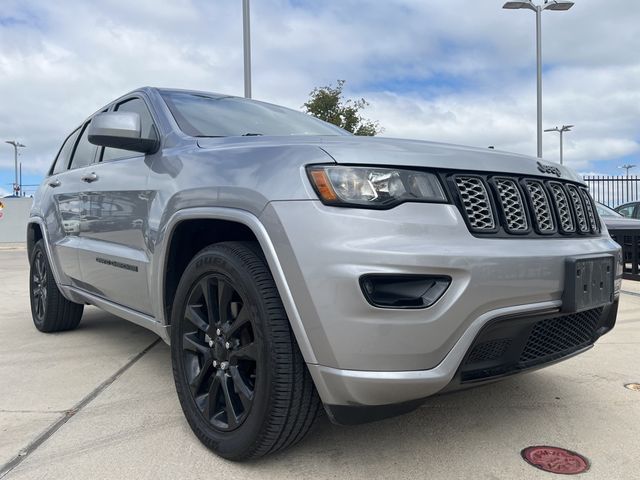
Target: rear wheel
{"x":51,"y":312}
{"x":241,"y":380}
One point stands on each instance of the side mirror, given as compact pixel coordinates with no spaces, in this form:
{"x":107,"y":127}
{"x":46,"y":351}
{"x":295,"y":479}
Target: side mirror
{"x":120,"y":130}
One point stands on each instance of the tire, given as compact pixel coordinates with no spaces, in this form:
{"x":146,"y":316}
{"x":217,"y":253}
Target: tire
{"x":258,"y":396}
{"x":51,"y":312}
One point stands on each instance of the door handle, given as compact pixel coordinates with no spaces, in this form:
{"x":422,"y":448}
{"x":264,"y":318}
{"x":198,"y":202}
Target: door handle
{"x":54,"y":183}
{"x":89,"y":177}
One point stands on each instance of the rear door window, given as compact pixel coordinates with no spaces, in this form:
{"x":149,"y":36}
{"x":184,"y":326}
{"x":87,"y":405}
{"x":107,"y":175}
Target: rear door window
{"x":62,"y":161}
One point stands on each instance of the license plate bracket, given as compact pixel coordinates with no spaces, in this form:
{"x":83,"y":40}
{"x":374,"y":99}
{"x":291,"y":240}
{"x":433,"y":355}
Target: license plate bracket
{"x":589,"y":282}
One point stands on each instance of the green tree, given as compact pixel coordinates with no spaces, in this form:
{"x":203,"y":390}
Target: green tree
{"x":328,"y":104}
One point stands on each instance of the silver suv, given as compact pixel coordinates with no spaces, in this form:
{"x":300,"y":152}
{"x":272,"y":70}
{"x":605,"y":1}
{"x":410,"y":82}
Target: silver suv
{"x":295,"y":268}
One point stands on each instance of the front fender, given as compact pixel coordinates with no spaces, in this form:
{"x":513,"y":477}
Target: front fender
{"x":159,"y":264}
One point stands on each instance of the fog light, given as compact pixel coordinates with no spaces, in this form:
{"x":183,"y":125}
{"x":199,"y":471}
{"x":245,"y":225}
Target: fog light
{"x":403,"y":291}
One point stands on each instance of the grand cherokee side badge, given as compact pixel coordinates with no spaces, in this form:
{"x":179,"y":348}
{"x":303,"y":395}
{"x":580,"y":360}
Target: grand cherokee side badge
{"x":549,"y":169}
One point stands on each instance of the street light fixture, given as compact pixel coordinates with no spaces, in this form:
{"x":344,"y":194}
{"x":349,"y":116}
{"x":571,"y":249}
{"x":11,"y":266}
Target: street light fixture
{"x":547,"y":5}
{"x":518,"y":5}
{"x":564,"y":128}
{"x":627,"y":167}
{"x":559,"y":6}
{"x":16,"y":146}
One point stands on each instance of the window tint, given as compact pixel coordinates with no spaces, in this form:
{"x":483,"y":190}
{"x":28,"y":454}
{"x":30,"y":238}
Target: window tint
{"x":605,"y":211}
{"x":201,"y":115}
{"x":85,"y":152}
{"x":138,"y":106}
{"x":626,"y":211}
{"x":62,"y":162}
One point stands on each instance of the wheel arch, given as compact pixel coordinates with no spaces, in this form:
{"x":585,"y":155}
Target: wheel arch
{"x":34,"y":234}
{"x":37,"y":230}
{"x":217,"y":224}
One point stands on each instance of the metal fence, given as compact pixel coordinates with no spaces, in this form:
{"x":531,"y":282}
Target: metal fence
{"x":629,"y":240}
{"x":614,"y":190}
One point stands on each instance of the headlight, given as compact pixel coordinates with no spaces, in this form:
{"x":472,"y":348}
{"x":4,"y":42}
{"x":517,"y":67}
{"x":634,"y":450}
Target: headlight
{"x":374,"y":187}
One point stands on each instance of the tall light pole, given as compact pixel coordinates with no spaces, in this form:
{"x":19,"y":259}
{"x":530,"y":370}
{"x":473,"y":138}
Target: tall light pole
{"x":547,"y":5}
{"x":246,"y":33}
{"x":16,"y":146}
{"x":627,"y":167}
{"x":564,"y":128}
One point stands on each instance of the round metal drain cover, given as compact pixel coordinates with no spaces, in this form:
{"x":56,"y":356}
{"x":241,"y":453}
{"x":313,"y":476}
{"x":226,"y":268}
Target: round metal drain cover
{"x":555,"y":460}
{"x":633,"y":386}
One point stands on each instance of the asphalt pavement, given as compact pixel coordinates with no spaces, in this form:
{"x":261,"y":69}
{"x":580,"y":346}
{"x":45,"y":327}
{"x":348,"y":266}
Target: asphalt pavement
{"x":99,"y":402}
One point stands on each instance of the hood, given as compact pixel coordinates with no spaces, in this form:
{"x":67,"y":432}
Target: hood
{"x":406,"y":153}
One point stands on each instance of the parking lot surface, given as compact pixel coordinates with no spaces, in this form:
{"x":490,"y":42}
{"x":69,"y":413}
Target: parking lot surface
{"x":99,"y":402}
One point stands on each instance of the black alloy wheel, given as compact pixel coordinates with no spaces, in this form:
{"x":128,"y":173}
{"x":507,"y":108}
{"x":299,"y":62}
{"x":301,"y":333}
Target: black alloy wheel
{"x":39,"y":285}
{"x":220,"y":352}
{"x":241,"y":380}
{"x":50,"y":310}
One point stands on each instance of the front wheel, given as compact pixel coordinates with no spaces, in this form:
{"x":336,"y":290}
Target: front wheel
{"x":241,"y":380}
{"x":51,"y":312}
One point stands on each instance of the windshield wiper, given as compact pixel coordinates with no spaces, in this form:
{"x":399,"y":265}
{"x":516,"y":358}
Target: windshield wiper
{"x":252,"y":134}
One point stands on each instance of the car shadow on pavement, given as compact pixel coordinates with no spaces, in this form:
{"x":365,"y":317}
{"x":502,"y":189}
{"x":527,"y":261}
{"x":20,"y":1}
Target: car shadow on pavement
{"x":448,"y":431}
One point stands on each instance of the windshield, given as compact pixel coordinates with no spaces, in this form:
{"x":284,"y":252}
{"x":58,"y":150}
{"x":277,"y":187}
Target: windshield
{"x":204,"y":115}
{"x":605,"y":211}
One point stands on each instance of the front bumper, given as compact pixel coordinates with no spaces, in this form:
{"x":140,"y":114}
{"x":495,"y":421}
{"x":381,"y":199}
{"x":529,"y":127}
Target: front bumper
{"x":401,"y":392}
{"x":370,"y":356}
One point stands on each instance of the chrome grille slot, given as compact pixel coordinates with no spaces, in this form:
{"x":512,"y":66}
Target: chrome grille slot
{"x":563,"y":209}
{"x":512,"y":204}
{"x":591,"y":214}
{"x":476,"y":203}
{"x":578,"y":207}
{"x":542,"y":215}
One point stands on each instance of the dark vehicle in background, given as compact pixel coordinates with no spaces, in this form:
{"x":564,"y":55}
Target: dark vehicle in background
{"x":614,"y":220}
{"x":626,"y":232}
{"x":629,"y":210}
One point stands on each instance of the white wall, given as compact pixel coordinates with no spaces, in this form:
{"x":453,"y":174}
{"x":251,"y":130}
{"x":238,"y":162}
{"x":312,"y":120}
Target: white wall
{"x":13,"y":221}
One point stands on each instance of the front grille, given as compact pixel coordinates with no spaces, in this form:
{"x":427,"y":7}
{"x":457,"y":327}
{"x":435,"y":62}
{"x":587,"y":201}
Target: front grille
{"x":561,"y":202}
{"x":524,"y":206}
{"x":512,"y":205}
{"x":578,"y":207}
{"x":542,"y":213}
{"x":477,"y":206}
{"x":560,"y":336}
{"x":591,"y":210}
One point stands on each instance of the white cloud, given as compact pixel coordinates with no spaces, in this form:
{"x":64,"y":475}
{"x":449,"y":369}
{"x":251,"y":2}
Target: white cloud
{"x":606,"y":118}
{"x":459,"y":71}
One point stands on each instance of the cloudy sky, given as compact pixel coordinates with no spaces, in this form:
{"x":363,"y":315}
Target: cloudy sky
{"x":459,"y":71}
